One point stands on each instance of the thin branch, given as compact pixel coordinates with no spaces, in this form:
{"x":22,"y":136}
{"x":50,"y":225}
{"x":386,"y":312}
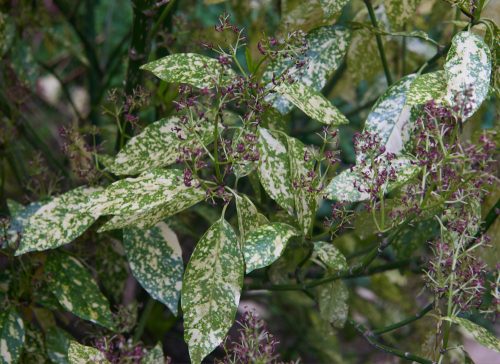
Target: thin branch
{"x":406,"y":321}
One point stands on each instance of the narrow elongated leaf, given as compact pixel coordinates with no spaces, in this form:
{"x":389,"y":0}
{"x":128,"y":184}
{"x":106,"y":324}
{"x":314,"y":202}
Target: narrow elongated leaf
{"x":265,"y":244}
{"x":330,"y":256}
{"x":274,"y":169}
{"x":327,"y":47}
{"x":57,"y":343}
{"x":480,"y":334}
{"x":468,"y":68}
{"x":342,"y":187}
{"x":58,"y":222}
{"x":332,"y":301}
{"x":312,"y":103}
{"x":76,"y":290}
{"x":155,"y":259}
{"x":12,"y":336}
{"x":160,"y":144}
{"x":390,"y":118}
{"x":304,"y":201}
{"x":80,"y":354}
{"x":400,"y":11}
{"x":145,"y":200}
{"x":249,"y":218}
{"x":211,"y":290}
{"x":430,"y":86}
{"x":191,"y":68}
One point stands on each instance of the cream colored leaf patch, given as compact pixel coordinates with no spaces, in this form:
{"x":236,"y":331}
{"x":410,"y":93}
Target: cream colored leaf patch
{"x":12,"y":336}
{"x":266,"y":244}
{"x":76,"y":290}
{"x":155,"y":258}
{"x":80,"y":354}
{"x":211,"y":290}
{"x":427,"y":87}
{"x":58,"y":222}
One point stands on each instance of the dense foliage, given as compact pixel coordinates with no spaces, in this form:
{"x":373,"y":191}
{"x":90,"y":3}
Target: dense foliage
{"x":248,"y":181}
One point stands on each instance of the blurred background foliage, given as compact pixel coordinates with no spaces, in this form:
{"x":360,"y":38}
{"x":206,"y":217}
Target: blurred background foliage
{"x":69,"y":68}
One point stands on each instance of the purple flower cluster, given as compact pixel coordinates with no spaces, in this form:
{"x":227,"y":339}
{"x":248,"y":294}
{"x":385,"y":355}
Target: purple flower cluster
{"x":118,"y":349}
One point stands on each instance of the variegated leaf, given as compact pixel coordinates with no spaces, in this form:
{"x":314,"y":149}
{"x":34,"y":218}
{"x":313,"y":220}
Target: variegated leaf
{"x":80,"y":354}
{"x":307,"y":15}
{"x":76,"y":290}
{"x":7,"y":33}
{"x":312,"y":103}
{"x":332,"y":302}
{"x":390,"y":119}
{"x":327,"y":47}
{"x":57,"y":345}
{"x":400,"y":11}
{"x":274,"y":169}
{"x":249,"y":218}
{"x":479,"y":333}
{"x":145,"y":200}
{"x":330,"y":256}
{"x":341,"y":188}
{"x":211,"y":289}
{"x":426,"y":87}
{"x":154,"y":356}
{"x":265,"y":244}
{"x":468,"y":68}
{"x":155,"y":259}
{"x":12,"y":336}
{"x":19,"y":217}
{"x":58,"y":222}
{"x":160,"y":144}
{"x":305,"y":202}
{"x":332,"y":7}
{"x":363,"y":60}
{"x":191,"y":68}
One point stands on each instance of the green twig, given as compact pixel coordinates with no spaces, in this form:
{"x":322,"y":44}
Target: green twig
{"x":405,"y":322}
{"x":144,"y":318}
{"x":380,"y":45}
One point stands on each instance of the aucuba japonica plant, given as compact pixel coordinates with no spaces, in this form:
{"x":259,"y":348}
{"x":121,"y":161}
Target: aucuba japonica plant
{"x":274,"y":154}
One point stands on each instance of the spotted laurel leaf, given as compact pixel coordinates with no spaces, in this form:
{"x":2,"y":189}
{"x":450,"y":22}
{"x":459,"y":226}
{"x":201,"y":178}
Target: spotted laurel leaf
{"x":249,"y":218}
{"x":426,"y":87}
{"x":81,"y":354}
{"x":329,"y":256}
{"x":191,"y":68}
{"x":266,"y":244}
{"x":468,"y":69}
{"x":390,"y":117}
{"x":76,"y":290}
{"x":58,"y":222}
{"x":12,"y":336}
{"x":327,"y":47}
{"x":211,"y":289}
{"x":155,"y":259}
{"x":400,"y":11}
{"x":479,"y":333}
{"x":312,"y":103}
{"x":160,"y":144}
{"x":154,"y":356}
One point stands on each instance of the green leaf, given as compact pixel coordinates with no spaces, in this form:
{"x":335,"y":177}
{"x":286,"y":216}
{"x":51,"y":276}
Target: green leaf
{"x":307,"y":15}
{"x":154,"y":356}
{"x":468,"y":67}
{"x":390,"y":117}
{"x":312,"y":103}
{"x":249,"y":218}
{"x":155,"y":259}
{"x":19,"y":217}
{"x":341,"y":188}
{"x":274,"y":170}
{"x":76,"y":290}
{"x":191,"y":68}
{"x":430,"y":86}
{"x":327,"y":47}
{"x":12,"y":336}
{"x":400,"y":11}
{"x":7,"y":33}
{"x":305,"y":202}
{"x":80,"y":354}
{"x":145,"y":200}
{"x":57,"y":344}
{"x":211,"y":289}
{"x":363,"y":59}
{"x":329,"y":256}
{"x":58,"y":222}
{"x":160,"y":145}
{"x":332,"y":301}
{"x":266,"y":244}
{"x":480,"y":334}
